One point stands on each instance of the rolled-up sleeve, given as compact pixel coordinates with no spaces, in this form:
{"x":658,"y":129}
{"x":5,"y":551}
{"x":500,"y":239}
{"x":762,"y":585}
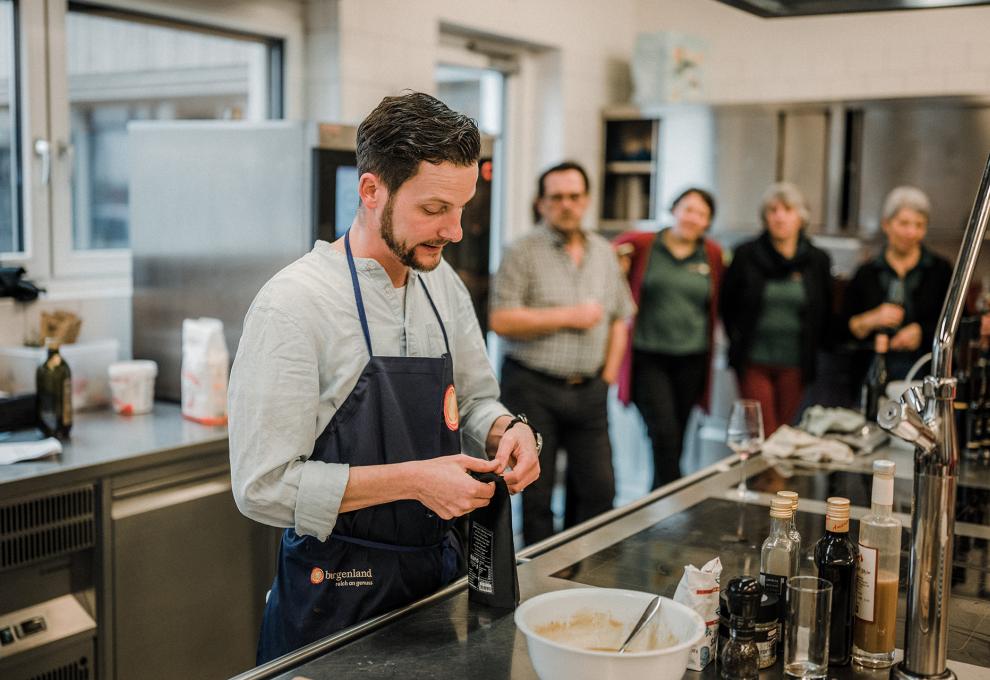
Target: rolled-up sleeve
{"x":477,"y":389}
{"x":511,"y":283}
{"x":273,"y":401}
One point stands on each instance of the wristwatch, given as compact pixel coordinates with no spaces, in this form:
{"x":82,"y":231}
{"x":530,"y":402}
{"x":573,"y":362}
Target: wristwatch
{"x":521,"y":418}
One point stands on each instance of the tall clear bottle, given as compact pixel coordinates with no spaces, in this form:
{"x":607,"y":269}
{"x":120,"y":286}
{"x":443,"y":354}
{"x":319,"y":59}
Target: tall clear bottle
{"x":835,"y":557}
{"x":792,"y":496}
{"x":877,"y":574}
{"x":780,"y":554}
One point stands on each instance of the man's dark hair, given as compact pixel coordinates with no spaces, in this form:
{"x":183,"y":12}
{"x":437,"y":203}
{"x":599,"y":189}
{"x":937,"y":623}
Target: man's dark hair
{"x":561,"y":167}
{"x":413,"y":127}
{"x":704,"y":195}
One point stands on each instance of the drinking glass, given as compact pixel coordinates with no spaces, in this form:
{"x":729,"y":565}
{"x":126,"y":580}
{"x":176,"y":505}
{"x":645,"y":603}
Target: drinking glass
{"x":745,"y":437}
{"x":809,"y":607}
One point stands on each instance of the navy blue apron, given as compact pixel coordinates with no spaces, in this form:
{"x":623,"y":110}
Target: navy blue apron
{"x":386,"y":556}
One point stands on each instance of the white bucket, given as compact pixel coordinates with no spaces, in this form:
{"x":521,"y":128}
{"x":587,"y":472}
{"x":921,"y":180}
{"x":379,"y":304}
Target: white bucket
{"x":132,"y":386}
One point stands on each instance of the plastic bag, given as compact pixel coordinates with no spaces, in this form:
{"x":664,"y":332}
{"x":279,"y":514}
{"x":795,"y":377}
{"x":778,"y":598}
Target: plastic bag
{"x":699,"y":590}
{"x":205,"y":363}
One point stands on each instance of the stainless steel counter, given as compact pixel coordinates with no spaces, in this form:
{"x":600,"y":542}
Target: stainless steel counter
{"x":104,"y":443}
{"x":644,"y":546}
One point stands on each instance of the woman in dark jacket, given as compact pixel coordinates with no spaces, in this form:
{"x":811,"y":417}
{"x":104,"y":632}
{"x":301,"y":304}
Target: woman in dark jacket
{"x":776,"y":305}
{"x":901,"y":291}
{"x":674,"y":277}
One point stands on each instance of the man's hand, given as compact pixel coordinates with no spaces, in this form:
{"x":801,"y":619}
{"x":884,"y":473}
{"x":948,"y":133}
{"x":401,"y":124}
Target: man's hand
{"x":586,"y":315}
{"x":445,"y":487}
{"x":517,"y":450}
{"x":907,"y":339}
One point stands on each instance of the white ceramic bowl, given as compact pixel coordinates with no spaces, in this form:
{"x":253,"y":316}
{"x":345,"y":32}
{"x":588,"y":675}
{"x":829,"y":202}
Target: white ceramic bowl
{"x":556,"y":661}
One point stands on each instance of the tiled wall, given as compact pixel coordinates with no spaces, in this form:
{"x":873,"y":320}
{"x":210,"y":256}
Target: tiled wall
{"x":866,"y":55}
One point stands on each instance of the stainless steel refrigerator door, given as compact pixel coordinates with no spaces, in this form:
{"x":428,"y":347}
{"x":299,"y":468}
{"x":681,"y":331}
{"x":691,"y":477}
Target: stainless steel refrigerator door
{"x":216,"y":209}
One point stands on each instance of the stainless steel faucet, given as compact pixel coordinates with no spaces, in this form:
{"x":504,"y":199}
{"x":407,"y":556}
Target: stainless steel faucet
{"x":925,"y":418}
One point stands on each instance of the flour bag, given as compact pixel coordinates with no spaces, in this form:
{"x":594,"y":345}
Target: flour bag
{"x":205,"y":363}
{"x":699,"y":590}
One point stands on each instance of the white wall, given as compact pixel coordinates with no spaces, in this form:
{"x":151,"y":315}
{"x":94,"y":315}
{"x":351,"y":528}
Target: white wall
{"x":867,"y":55}
{"x":581,"y":51}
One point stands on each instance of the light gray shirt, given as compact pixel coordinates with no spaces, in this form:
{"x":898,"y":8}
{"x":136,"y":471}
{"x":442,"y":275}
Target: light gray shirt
{"x":300,"y":355}
{"x":538,"y":272}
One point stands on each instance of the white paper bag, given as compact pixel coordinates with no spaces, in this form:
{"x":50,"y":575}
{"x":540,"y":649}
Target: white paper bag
{"x":205,"y":363}
{"x":699,"y":590}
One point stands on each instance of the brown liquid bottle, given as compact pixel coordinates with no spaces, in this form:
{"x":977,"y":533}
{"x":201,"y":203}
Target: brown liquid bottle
{"x":877,"y":575}
{"x":54,"y":385}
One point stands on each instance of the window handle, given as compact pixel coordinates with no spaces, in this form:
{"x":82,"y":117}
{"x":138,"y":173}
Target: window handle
{"x":43,"y":150}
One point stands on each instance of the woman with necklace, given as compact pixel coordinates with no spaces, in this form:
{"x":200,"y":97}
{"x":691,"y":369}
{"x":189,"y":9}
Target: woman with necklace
{"x":901,"y":291}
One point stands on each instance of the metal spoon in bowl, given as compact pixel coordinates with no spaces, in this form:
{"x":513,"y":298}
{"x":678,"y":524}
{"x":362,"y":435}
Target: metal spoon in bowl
{"x":651,"y":610}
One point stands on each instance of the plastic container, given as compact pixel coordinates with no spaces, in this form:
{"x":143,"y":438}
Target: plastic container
{"x":88,"y":362}
{"x":133,"y":386}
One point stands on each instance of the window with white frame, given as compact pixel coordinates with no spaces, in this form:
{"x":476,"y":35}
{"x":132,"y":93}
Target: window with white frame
{"x":92,"y":71}
{"x":10,"y":222}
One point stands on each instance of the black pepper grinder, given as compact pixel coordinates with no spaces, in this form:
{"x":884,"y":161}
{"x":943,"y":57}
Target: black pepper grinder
{"x":740,"y":657}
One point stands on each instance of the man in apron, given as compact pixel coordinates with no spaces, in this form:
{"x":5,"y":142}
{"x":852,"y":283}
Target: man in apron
{"x":360,"y":380}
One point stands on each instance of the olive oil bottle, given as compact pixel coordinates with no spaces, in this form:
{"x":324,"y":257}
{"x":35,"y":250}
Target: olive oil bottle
{"x":54,"y":386}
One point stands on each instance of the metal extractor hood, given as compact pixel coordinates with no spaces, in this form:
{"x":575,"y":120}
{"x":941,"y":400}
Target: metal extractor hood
{"x":794,"y":8}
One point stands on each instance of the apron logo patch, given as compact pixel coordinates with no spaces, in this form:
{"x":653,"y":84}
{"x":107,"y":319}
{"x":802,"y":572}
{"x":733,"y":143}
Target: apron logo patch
{"x":451,"y":415}
{"x":349,"y":577}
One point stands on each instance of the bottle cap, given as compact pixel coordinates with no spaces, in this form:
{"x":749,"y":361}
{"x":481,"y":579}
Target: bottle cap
{"x":744,"y":594}
{"x":792,"y":496}
{"x":837,"y":514}
{"x":53,"y":343}
{"x":781,"y":508}
{"x":884,"y":468}
{"x":837,"y":507}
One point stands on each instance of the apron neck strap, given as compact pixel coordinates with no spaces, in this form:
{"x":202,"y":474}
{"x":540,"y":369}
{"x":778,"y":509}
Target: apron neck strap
{"x":357,"y":292}
{"x":360,"y":301}
{"x":443,"y":330}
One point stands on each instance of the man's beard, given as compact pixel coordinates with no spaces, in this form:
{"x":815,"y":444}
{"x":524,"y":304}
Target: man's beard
{"x":405,"y":255}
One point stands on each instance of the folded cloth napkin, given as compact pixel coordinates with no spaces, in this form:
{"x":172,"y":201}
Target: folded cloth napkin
{"x":11,"y":452}
{"x":820,"y":419}
{"x":790,"y":442}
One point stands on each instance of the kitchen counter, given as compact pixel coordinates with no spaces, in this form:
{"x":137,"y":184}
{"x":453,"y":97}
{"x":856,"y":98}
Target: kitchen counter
{"x":103,"y":443}
{"x":644,"y":546}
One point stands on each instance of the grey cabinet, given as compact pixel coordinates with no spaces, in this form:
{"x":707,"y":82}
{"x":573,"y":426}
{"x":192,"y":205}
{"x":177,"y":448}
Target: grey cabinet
{"x":189,"y":578}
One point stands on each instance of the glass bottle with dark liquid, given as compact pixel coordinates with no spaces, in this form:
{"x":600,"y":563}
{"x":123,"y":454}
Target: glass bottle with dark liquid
{"x":835,"y":557}
{"x":54,"y":385}
{"x":875,"y":385}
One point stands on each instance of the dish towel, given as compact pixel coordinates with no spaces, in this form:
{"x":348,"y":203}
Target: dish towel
{"x":12,"y":452}
{"x":820,"y":419}
{"x":790,"y":442}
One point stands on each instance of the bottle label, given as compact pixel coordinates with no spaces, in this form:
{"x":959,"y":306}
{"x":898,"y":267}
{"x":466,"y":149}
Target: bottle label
{"x":883,"y":491}
{"x":773,"y":584}
{"x":866,"y":583}
{"x":838,"y":526}
{"x":67,"y":402}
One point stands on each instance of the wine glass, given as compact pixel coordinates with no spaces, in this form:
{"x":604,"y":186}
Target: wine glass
{"x":745,"y":437}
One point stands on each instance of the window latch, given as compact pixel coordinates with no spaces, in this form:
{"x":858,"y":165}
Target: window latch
{"x":43,"y":150}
